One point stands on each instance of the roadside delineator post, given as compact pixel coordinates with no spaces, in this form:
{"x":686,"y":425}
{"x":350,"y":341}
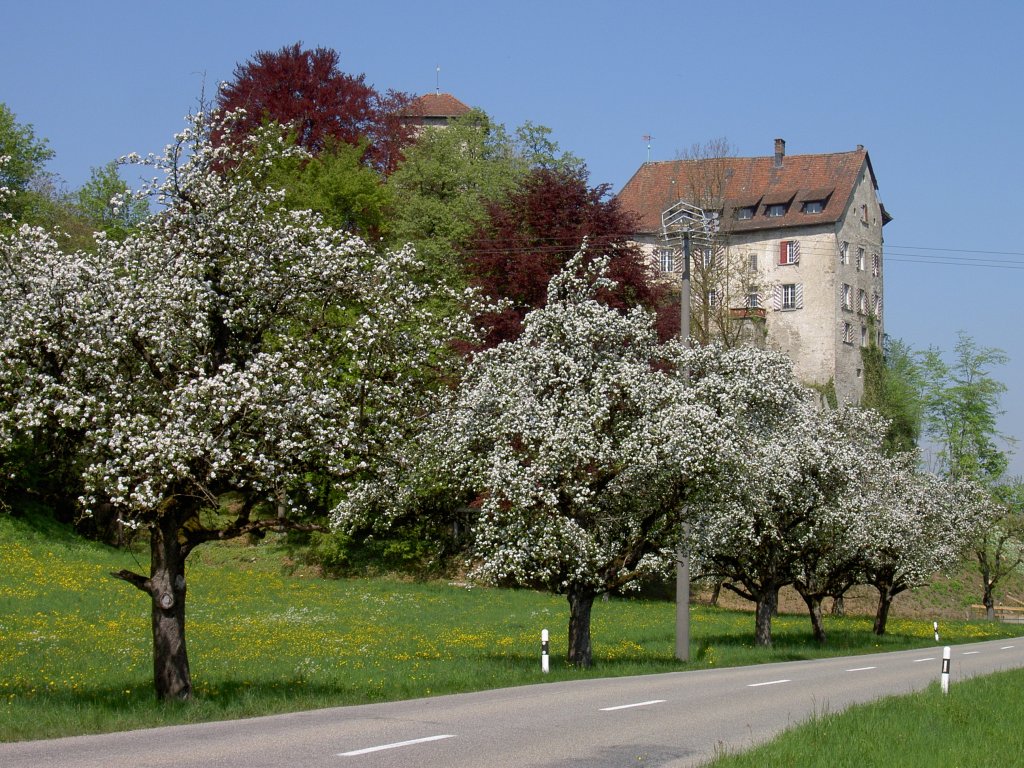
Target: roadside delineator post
{"x":935,"y":626}
{"x":945,"y":669}
{"x":544,"y":651}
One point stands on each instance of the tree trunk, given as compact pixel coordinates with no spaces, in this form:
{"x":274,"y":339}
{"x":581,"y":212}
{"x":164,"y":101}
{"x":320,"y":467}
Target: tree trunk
{"x":988,"y":590}
{"x":767,"y":604}
{"x":716,"y":592}
{"x":838,"y":606}
{"x":814,"y":609}
{"x":812,"y":592}
{"x":581,"y":600}
{"x":989,"y":601}
{"x":166,"y":589}
{"x":885,"y":596}
{"x":171,"y":674}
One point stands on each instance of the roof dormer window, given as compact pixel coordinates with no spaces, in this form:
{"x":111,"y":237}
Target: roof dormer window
{"x":814,"y":206}
{"x":775,"y":209}
{"x":744,"y":213}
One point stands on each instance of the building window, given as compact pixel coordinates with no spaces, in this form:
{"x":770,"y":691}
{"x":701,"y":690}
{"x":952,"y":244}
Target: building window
{"x":876,"y":265}
{"x":753,"y":300}
{"x":667,"y":260}
{"x":775,"y":210}
{"x":863,"y":335}
{"x":753,"y":261}
{"x":862,"y":301}
{"x":864,"y":214}
{"x":876,"y":305}
{"x":789,"y":252}
{"x":844,"y":252}
{"x":707,"y":258}
{"x":712,"y":298}
{"x":846,"y":296}
{"x":789,"y":296}
{"x":745,"y":213}
{"x":847,"y":333}
{"x":860,"y":259}
{"x":814,"y":206}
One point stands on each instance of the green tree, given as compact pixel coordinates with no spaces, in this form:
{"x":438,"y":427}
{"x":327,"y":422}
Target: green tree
{"x":893,"y":387}
{"x":24,"y":155}
{"x":336,"y":184}
{"x":961,"y":409}
{"x":106,"y":204}
{"x":449,"y":175}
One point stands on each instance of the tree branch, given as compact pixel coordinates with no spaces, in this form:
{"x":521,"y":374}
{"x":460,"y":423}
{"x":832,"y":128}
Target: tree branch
{"x":140,"y":582}
{"x":741,"y":592}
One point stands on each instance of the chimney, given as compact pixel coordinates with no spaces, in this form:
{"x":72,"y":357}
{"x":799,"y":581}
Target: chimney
{"x":780,"y":152}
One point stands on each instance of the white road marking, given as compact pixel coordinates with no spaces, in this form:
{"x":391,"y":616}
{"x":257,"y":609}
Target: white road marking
{"x":1006,"y":647}
{"x":930,"y":658}
{"x":630,"y":706}
{"x":396,"y":745}
{"x":861,"y":669}
{"x":970,"y":653}
{"x":770,"y":682}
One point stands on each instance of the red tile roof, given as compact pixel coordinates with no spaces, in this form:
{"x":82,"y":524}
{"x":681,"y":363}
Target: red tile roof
{"x":436,"y":105}
{"x":751,"y":181}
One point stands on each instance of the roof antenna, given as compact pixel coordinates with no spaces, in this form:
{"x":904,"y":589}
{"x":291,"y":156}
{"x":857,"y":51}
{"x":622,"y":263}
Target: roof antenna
{"x":437,"y":85}
{"x":647,"y":137}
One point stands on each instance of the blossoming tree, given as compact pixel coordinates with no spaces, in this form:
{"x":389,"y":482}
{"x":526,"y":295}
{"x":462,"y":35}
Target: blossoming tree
{"x":920,"y":524}
{"x":778,"y":513}
{"x":206,"y":364}
{"x":580,"y":442}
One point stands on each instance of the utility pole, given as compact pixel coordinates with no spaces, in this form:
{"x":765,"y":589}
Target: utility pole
{"x":678,"y":221}
{"x":683,"y":553}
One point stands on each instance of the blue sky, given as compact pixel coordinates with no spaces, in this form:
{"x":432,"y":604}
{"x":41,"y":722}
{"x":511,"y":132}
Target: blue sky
{"x":932,"y":89}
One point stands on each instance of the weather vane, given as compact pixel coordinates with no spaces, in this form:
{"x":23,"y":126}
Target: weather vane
{"x":647,"y":137}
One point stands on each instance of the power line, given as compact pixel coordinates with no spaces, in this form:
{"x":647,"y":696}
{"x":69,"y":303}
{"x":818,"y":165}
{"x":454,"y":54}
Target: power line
{"x":957,"y":250}
{"x":905,"y":254}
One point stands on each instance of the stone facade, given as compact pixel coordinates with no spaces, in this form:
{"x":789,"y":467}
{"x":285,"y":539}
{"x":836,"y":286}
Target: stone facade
{"x":801,"y":238}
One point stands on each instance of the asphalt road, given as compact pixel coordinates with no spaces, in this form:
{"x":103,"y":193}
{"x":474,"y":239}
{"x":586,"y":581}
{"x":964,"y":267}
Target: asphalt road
{"x":677,"y":719}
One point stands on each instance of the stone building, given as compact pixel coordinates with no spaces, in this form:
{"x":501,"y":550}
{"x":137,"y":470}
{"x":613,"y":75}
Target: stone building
{"x":794,"y":260}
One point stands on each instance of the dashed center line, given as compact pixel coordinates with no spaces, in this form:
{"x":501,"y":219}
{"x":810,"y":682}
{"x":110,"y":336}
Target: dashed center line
{"x":770,"y":682}
{"x":396,"y":745}
{"x":861,"y":669}
{"x":970,"y":653}
{"x":630,"y":706}
{"x":1006,"y":647}
{"x":929,"y":658}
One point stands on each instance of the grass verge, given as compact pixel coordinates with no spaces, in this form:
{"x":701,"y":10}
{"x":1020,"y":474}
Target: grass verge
{"x":977,"y":724}
{"x":75,"y":647}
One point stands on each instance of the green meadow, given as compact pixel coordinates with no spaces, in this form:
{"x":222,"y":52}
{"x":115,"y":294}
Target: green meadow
{"x":977,"y":724}
{"x":265,"y":638}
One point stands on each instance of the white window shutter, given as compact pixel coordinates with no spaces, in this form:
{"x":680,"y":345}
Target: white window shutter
{"x":777,"y":297}
{"x":799,"y":295}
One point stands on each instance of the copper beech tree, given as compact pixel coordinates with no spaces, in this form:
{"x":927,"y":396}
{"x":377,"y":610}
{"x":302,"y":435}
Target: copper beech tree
{"x":204,"y":366}
{"x":529,"y":235}
{"x":307,"y":91}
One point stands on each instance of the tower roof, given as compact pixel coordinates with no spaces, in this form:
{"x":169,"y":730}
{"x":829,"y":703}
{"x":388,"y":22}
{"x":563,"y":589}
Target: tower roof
{"x":436,"y":105}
